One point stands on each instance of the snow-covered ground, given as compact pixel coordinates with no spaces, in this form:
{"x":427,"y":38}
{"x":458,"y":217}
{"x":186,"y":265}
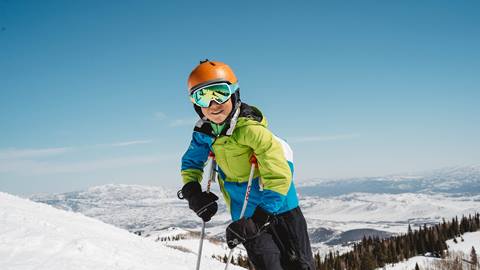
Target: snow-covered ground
{"x":410,"y":263}
{"x":189,"y":240}
{"x":470,"y":239}
{"x":38,"y":236}
{"x":387,"y":212}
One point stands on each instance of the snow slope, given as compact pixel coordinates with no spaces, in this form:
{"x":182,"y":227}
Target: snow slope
{"x":470,"y":239}
{"x":38,"y":236}
{"x":188,"y":240}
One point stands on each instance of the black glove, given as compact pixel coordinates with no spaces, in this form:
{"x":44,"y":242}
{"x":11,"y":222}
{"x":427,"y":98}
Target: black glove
{"x":203,"y":203}
{"x":245,"y":229}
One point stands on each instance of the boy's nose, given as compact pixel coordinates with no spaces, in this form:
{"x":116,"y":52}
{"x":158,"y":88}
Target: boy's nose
{"x":214,"y":104}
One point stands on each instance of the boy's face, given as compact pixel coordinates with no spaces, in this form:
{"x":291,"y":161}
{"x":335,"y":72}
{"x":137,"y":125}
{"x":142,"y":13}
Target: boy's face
{"x":217,"y":113}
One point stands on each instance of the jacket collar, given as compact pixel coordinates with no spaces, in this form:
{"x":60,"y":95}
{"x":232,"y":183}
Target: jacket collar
{"x":203,"y":125}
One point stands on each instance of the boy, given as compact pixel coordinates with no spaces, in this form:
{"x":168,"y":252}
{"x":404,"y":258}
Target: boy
{"x":234,"y":132}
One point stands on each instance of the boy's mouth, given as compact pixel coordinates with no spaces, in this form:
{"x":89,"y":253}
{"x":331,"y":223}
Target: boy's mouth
{"x":217,"y":112}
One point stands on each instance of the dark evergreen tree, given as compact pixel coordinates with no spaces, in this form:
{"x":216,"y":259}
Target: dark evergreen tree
{"x":473,"y":259}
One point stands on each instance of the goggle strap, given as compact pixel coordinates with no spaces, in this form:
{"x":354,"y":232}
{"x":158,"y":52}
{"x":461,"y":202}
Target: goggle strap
{"x":201,"y":85}
{"x":233,"y":86}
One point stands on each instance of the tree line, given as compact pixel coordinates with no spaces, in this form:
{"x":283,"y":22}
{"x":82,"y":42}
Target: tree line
{"x":373,"y":252}
{"x":170,"y":238}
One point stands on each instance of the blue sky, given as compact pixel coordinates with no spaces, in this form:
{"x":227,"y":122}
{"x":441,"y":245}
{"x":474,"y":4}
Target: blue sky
{"x":94,"y":92}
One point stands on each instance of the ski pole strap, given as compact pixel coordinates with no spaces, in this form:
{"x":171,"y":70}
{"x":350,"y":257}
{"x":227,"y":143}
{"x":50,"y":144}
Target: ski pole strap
{"x":180,"y":195}
{"x":213,"y":170}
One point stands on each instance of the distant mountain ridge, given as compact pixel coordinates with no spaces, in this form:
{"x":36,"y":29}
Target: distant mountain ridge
{"x":110,"y":194}
{"x":132,"y":207}
{"x":452,"y":180}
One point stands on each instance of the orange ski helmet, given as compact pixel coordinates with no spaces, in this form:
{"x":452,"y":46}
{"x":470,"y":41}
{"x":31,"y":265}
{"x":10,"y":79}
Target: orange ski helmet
{"x":208,"y":72}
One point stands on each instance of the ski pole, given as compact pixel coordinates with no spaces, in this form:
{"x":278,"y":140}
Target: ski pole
{"x":253,"y":160}
{"x":213,"y":165}
{"x":213,"y":171}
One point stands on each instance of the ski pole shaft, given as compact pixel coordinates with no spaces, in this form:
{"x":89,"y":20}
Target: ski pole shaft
{"x":230,"y":255}
{"x":211,"y":178}
{"x":253,"y":160}
{"x":249,"y":187}
{"x":200,"y":247}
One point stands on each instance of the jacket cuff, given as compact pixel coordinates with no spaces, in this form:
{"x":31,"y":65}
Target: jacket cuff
{"x":261,"y":216}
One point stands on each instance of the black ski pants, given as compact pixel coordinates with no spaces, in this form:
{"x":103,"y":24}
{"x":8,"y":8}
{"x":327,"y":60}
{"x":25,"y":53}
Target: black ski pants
{"x":285,"y":245}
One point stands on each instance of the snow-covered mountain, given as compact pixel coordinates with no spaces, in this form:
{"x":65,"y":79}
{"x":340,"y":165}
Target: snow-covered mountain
{"x":139,"y":209}
{"x":132,"y":207}
{"x":452,"y":180}
{"x":38,"y":236}
{"x":333,"y":220}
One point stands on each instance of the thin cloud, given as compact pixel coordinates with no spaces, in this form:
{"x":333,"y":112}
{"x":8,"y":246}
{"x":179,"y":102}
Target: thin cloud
{"x":14,"y":153}
{"x":31,"y":167}
{"x":176,"y":122}
{"x":33,"y":153}
{"x":128,"y":143}
{"x":324,"y":138}
{"x":160,"y":115}
{"x":183,"y":122}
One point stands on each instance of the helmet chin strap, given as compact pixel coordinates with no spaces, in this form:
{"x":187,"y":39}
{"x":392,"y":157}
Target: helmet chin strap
{"x":232,"y":118}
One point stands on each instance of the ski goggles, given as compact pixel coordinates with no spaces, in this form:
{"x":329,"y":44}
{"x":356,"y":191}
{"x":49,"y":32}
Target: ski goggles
{"x":218,"y":92}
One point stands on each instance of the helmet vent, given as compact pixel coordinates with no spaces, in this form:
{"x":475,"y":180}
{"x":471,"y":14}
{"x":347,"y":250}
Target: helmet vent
{"x":206,"y":60}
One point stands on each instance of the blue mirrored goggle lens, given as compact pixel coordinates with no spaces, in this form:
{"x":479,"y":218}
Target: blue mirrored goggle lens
{"x":219,"y":93}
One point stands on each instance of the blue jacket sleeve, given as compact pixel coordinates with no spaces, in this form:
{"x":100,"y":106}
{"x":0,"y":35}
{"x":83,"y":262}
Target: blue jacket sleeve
{"x":195,"y":157}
